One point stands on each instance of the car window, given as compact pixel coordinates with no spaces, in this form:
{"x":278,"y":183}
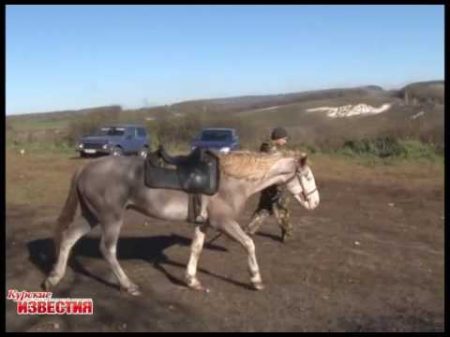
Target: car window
{"x":141,"y":132}
{"x":130,"y":132}
{"x":111,"y":131}
{"x":216,"y":135}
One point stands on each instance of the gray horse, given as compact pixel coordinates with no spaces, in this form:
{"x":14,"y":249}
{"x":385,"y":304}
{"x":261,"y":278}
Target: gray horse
{"x":106,"y":187}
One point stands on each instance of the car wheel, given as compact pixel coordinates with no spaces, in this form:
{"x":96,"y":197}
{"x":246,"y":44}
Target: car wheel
{"x":83,"y":155}
{"x":143,"y":152}
{"x":117,"y":151}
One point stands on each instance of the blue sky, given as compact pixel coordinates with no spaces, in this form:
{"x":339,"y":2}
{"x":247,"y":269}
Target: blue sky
{"x":73,"y":57}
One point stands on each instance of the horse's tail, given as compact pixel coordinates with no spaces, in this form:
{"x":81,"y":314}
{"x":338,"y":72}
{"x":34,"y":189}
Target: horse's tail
{"x":68,"y":212}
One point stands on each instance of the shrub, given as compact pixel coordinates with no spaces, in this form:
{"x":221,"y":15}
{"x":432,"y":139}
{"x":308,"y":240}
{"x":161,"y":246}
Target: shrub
{"x":414,"y":149}
{"x":390,"y":147}
{"x":91,"y":122}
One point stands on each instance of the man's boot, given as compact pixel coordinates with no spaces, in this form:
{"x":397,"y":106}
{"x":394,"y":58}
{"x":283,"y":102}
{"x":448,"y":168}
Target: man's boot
{"x":285,"y":235}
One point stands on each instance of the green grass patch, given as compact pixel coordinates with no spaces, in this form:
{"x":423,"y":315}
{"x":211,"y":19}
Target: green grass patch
{"x":39,"y":124}
{"x":384,"y":150}
{"x":42,"y":147}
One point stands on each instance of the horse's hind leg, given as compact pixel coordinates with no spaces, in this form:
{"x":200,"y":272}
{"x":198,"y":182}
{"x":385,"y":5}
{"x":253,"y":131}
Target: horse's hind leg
{"x":233,"y":229}
{"x":69,"y":237}
{"x":108,"y":247}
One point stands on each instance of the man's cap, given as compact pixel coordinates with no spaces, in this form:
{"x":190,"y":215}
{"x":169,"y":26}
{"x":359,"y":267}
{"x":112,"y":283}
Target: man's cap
{"x":278,"y":133}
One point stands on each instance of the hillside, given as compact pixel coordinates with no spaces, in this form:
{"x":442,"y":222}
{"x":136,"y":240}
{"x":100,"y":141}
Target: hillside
{"x":321,"y":117}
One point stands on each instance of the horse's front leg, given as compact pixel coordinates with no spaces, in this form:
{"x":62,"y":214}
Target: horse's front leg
{"x":235,"y":231}
{"x":196,"y":248}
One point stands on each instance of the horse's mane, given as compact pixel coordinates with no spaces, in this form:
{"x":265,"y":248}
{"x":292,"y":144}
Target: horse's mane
{"x":297,"y":154}
{"x":247,"y":165}
{"x":253,"y":165}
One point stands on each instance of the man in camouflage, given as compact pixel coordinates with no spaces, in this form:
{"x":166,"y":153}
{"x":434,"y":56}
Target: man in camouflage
{"x":273,"y":200}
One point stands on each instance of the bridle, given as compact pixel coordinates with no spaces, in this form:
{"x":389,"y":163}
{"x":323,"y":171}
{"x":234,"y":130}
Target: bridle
{"x":298,"y":172}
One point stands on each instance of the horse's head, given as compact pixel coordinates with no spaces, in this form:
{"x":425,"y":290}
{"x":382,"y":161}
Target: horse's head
{"x":303,"y":185}
{"x":261,"y":170}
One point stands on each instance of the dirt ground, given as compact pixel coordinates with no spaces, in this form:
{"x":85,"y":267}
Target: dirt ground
{"x":370,"y":258}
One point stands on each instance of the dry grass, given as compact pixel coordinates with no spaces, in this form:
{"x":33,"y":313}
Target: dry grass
{"x":38,"y":179}
{"x":42,"y":179}
{"x":414,"y":173}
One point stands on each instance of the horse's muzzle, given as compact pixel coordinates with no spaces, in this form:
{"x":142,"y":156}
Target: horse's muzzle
{"x":310,"y":201}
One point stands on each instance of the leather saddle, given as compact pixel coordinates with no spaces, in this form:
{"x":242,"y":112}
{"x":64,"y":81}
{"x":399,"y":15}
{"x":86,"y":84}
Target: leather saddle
{"x":196,"y":173}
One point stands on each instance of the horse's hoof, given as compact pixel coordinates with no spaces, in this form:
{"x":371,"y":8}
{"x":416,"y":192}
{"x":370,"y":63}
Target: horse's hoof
{"x":258,"y":285}
{"x":133,"y":291}
{"x":46,"y":285}
{"x":201,"y":288}
{"x":198,"y":286}
{"x":206,"y":290}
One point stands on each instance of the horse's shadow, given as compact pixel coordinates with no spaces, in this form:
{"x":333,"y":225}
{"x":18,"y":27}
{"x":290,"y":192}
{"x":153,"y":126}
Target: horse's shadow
{"x":270,"y":236}
{"x":150,"y":249}
{"x":92,"y":156}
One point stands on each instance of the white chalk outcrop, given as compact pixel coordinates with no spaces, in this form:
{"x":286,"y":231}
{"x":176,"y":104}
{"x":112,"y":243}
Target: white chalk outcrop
{"x":351,"y":110}
{"x":417,"y":115}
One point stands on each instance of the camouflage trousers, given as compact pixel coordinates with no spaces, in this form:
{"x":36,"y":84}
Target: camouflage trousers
{"x":266,"y":208}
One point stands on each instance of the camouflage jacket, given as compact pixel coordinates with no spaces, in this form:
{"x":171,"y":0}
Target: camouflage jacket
{"x":274,"y":192}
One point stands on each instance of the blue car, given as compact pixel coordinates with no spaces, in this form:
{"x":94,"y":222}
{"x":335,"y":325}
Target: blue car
{"x":116,"y":140}
{"x":219,"y":139}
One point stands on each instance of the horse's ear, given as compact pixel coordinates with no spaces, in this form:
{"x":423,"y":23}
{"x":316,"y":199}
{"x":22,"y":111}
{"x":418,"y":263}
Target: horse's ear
{"x":303,"y":159}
